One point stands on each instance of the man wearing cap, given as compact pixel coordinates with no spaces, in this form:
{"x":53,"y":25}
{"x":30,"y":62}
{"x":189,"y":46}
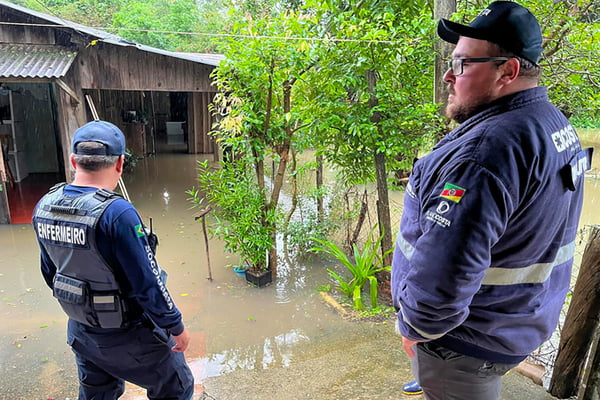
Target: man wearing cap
{"x":95,"y":256}
{"x":483,"y":257}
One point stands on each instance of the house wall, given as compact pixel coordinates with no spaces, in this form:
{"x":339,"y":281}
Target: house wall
{"x":200,"y":120}
{"x":108,"y":66}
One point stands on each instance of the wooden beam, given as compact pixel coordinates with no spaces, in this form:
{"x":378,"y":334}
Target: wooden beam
{"x":68,"y":90}
{"x":4,"y":207}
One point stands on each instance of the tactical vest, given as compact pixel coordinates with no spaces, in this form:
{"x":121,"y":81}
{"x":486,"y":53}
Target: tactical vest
{"x":84,"y":283}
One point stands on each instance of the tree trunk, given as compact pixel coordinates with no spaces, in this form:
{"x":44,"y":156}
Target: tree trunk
{"x":284,"y":154}
{"x":294,"y":195}
{"x":383,"y":209}
{"x":364,"y":207}
{"x":383,"y":202}
{"x":320,"y":203}
{"x":580,"y":324}
{"x":442,"y":49}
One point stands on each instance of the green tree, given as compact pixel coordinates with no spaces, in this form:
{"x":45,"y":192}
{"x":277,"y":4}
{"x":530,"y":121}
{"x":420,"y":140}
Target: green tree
{"x":371,"y":96}
{"x":218,"y":18}
{"x":571,"y":39}
{"x":571,"y":32}
{"x":258,"y":103}
{"x":95,"y":13}
{"x":140,"y":18}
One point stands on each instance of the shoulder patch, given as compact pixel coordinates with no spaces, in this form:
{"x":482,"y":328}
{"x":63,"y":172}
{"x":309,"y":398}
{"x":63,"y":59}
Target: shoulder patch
{"x":139,"y":230}
{"x":453,"y":192}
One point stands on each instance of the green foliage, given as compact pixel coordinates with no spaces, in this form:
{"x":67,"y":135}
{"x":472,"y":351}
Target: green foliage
{"x":372,"y":97}
{"x":95,"y":13}
{"x":257,"y":115}
{"x":304,"y":224}
{"x":582,"y":121}
{"x":241,"y":220}
{"x":253,"y":79}
{"x":130,"y":161}
{"x":571,"y":32}
{"x":301,"y":234}
{"x":324,"y":288}
{"x":363,"y":267}
{"x":138,"y":15}
{"x":571,"y":71}
{"x":175,"y":16}
{"x":382,"y":312}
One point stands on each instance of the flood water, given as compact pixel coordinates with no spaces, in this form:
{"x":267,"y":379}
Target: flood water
{"x":234,"y":326}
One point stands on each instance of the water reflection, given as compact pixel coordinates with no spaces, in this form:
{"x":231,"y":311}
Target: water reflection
{"x":234,"y":326}
{"x":274,"y":352}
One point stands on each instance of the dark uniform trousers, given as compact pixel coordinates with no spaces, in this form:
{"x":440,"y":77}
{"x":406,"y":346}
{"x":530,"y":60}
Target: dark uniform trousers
{"x":447,"y":375}
{"x":140,"y":354}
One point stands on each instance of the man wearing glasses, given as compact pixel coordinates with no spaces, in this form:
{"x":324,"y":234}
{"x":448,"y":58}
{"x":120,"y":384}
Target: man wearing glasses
{"x":483,"y":258}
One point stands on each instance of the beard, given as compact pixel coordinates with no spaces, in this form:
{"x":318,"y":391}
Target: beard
{"x":460,"y":111}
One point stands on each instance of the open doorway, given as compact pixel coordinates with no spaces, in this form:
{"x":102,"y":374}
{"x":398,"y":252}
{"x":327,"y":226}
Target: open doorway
{"x":172,"y":122}
{"x":30,"y":146}
{"x":153,"y":122}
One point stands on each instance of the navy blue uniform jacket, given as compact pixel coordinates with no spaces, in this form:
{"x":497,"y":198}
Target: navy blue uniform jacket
{"x":482,"y":262}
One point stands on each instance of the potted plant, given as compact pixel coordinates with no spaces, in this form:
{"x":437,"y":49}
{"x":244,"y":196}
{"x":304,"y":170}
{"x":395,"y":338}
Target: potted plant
{"x":239,"y":215}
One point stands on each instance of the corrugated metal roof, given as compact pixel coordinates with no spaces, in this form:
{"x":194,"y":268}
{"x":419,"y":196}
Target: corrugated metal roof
{"x":206,"y":58}
{"x":34,"y":61}
{"x":112,"y":38}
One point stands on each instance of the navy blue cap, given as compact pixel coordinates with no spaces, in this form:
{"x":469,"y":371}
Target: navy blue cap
{"x":102,"y":132}
{"x":505,"y":23}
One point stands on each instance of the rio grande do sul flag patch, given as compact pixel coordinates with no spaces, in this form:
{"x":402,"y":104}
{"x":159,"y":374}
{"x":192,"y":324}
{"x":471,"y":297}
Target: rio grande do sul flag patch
{"x":453,"y":192}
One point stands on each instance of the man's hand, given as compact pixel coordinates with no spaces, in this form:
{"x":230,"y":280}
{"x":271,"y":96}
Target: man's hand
{"x":182,"y":341}
{"x":408,"y":346}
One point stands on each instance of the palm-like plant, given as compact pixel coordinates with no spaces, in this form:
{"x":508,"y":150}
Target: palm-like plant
{"x":363,"y":268}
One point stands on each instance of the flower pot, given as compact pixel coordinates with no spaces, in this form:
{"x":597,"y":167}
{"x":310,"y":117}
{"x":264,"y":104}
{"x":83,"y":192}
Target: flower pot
{"x":240,"y":269}
{"x":259,"y":278}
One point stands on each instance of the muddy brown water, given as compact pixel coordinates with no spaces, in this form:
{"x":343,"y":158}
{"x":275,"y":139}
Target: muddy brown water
{"x":284,"y":332}
{"x":234,"y":325}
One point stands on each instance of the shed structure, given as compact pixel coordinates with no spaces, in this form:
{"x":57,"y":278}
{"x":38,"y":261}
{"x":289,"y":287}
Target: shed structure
{"x":50,"y":68}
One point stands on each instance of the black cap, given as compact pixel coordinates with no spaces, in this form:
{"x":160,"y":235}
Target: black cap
{"x":505,"y":23}
{"x":102,"y":132}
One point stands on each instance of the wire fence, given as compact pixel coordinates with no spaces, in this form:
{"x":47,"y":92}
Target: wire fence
{"x":546,"y":354}
{"x":346,"y":214}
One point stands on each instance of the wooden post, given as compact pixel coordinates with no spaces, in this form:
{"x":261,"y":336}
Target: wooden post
{"x":5,"y":178}
{"x":590,"y":390}
{"x":320,"y":201}
{"x":582,"y":319}
{"x":4,"y":207}
{"x":203,"y":216}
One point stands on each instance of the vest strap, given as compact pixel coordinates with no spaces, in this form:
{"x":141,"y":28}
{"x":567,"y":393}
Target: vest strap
{"x":104,"y":194}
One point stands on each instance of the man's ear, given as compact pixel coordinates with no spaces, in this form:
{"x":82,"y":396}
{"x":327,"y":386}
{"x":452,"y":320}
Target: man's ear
{"x":510,"y":70}
{"x":73,"y":163}
{"x":120,"y":163}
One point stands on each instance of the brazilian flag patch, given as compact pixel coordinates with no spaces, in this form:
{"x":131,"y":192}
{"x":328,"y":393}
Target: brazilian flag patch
{"x":139,"y":230}
{"x":453,"y":192}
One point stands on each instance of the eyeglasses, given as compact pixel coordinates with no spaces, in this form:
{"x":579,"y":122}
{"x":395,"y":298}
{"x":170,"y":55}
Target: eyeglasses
{"x":456,"y":64}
